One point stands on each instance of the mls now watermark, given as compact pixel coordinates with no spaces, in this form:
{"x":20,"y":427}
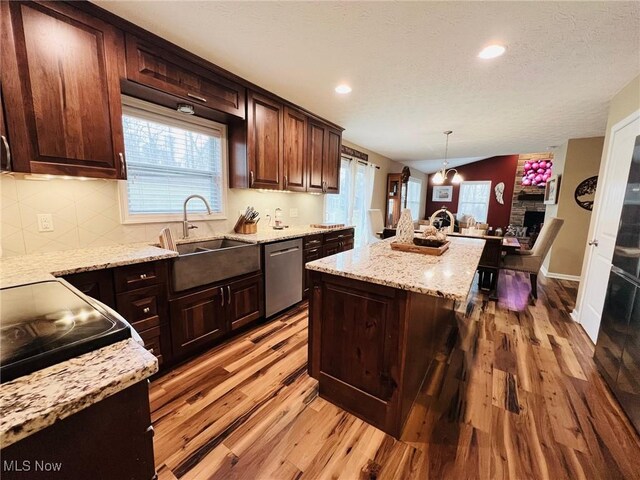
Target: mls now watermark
{"x":30,"y":466}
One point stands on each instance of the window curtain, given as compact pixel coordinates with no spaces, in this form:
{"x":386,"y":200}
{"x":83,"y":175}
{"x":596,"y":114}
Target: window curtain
{"x":350,"y":206}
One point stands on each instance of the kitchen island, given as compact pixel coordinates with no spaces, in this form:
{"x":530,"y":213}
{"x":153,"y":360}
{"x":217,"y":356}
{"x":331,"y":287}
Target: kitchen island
{"x":377,"y":317}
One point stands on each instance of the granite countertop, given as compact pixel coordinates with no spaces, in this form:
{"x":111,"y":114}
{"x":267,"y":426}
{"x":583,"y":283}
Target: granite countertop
{"x":37,"y":267}
{"x":449,"y":275}
{"x":267,"y":234}
{"x":33,"y":402}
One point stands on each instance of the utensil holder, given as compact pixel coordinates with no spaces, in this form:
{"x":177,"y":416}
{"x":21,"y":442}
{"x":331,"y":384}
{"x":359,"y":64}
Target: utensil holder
{"x":247,"y":228}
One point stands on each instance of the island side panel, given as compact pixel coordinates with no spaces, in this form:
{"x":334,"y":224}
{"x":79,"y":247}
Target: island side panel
{"x":429,"y":322}
{"x":354,"y":346}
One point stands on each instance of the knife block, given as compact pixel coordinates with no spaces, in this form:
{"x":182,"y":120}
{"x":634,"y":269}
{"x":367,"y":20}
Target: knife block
{"x":247,"y":228}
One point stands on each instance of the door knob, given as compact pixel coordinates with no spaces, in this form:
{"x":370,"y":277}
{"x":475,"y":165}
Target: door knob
{"x":594,"y":242}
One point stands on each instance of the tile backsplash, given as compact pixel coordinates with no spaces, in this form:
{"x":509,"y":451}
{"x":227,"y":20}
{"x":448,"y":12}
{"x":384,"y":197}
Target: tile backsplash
{"x":86,"y":213}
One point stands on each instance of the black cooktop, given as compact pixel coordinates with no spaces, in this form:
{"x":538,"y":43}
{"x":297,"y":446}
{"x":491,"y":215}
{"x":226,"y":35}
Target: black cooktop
{"x":45,"y":323}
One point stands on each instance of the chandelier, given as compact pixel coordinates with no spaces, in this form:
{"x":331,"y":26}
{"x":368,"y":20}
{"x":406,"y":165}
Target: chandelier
{"x":441,"y":175}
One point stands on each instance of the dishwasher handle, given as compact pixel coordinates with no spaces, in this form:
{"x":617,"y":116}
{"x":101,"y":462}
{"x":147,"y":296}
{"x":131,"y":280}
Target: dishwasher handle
{"x":282,"y":252}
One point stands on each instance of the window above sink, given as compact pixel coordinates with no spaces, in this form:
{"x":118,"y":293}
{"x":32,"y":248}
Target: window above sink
{"x":171,"y":155}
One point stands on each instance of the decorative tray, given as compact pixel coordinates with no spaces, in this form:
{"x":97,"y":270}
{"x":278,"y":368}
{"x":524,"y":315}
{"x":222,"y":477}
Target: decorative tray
{"x":405,"y":247}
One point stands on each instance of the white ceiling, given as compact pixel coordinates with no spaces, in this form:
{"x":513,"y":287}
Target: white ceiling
{"x":413,"y":66}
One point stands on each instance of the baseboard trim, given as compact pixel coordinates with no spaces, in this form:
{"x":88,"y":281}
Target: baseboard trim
{"x":558,"y":276}
{"x":575,"y":316}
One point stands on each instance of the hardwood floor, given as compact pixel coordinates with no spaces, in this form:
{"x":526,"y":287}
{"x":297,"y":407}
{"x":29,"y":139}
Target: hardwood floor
{"x":514,"y":395}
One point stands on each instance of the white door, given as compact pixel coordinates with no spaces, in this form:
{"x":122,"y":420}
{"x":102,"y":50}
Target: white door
{"x":607,"y":213}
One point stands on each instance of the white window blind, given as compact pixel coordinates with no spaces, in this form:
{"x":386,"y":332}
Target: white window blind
{"x":168,"y":159}
{"x":474,"y":200}
{"x":414,"y":197}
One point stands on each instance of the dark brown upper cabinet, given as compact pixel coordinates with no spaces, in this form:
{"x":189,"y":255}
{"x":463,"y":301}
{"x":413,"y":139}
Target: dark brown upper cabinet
{"x":161,"y":69}
{"x":295,"y":150}
{"x":265,"y":142}
{"x":323,"y":158}
{"x":60,"y":78}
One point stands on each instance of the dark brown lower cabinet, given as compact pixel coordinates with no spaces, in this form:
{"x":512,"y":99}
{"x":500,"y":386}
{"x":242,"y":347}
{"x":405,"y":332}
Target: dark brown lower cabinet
{"x":110,"y":439}
{"x":245,"y":301}
{"x":97,"y":284}
{"x":198,"y":319}
{"x":370,"y":346}
{"x":309,"y":255}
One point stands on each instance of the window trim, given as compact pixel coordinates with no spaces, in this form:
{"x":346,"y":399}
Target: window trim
{"x":468,"y":182}
{"x":420,"y":196}
{"x":151,"y":112}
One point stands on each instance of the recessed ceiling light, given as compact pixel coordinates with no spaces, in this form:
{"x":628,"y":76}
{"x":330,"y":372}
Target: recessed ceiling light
{"x":492,"y":51}
{"x":343,"y":89}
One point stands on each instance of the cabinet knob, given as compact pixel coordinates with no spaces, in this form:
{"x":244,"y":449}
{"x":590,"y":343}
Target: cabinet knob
{"x":146,"y":309}
{"x":286,"y":182}
{"x":222,"y":296}
{"x":251,"y":178}
{"x":143,"y":276}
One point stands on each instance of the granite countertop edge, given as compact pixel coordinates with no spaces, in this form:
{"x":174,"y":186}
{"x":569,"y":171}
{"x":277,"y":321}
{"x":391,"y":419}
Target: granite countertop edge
{"x":29,"y":404}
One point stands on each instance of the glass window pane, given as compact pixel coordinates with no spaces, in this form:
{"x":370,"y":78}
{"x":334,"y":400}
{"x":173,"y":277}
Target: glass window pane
{"x":167,"y":162}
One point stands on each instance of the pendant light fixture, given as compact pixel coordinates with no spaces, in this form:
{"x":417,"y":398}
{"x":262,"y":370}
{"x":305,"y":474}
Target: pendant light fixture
{"x":441,"y":175}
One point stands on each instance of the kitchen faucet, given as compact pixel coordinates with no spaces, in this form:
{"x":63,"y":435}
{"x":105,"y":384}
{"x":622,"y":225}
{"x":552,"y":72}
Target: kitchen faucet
{"x":186,"y":226}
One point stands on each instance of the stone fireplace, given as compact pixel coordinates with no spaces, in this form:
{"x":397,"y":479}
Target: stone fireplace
{"x":527,"y":207}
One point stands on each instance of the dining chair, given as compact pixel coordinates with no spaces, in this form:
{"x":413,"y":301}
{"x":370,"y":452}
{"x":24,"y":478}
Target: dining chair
{"x":530,"y":261}
{"x":376,"y":224}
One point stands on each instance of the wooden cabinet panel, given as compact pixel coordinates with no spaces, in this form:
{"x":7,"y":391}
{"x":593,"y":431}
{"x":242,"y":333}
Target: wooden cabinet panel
{"x":295,"y":150}
{"x":159,"y":68}
{"x":132,"y":277}
{"x":264,"y":149}
{"x":358,"y":324}
{"x":331,"y":248}
{"x":315,"y":156}
{"x":97,"y":284}
{"x":61,"y":73}
{"x":142,"y":308}
{"x":245,"y":301}
{"x":197,"y":319}
{"x":309,"y":255}
{"x":331,"y":164}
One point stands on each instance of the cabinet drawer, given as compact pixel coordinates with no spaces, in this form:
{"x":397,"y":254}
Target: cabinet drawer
{"x":151,"y":338}
{"x":312,"y":241}
{"x":141,"y":308}
{"x":136,"y":276}
{"x":312,"y":254}
{"x":339,"y":236}
{"x":156,"y":67}
{"x":331,"y":248}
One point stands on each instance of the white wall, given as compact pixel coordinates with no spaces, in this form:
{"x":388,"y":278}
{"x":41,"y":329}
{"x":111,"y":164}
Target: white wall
{"x":623,"y":104}
{"x":86,"y":214}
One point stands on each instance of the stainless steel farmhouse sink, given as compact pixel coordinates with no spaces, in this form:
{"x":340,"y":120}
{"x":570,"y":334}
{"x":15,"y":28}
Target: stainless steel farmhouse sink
{"x":209,"y":261}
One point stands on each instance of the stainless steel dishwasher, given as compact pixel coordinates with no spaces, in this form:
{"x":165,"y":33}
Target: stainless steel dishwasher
{"x":283,"y":275}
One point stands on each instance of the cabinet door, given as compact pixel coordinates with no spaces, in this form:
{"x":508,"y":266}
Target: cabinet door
{"x":197,"y":320}
{"x":166,"y":71}
{"x":316,"y":146}
{"x":61,"y":82}
{"x":295,"y":150}
{"x":331,"y":164}
{"x":245,"y":301}
{"x":359,"y":338}
{"x":97,"y":284}
{"x":264,"y":149}
{"x":331,"y":248}
{"x":309,"y":255}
